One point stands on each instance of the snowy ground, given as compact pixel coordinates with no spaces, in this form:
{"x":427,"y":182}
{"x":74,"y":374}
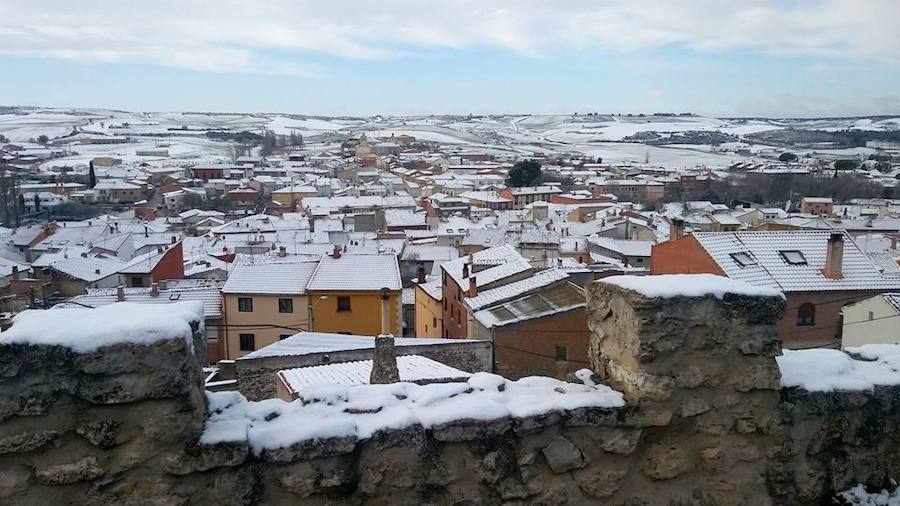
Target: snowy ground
{"x":593,"y":135}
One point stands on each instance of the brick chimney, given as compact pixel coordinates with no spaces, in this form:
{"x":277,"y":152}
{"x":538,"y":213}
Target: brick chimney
{"x":15,"y":273}
{"x":120,"y":293}
{"x":465,"y":272}
{"x":473,"y":288}
{"x":834,"y":257}
{"x":420,"y":274}
{"x":676,"y":229}
{"x":336,"y":253}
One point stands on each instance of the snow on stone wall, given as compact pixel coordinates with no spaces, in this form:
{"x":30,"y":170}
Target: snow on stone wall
{"x":702,"y":419}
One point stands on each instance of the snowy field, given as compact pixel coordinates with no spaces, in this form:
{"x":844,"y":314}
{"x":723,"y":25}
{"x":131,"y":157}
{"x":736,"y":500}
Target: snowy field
{"x":592,"y":135}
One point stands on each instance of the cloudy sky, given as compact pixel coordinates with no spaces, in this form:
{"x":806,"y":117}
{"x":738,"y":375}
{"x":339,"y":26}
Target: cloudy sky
{"x":718,"y":57}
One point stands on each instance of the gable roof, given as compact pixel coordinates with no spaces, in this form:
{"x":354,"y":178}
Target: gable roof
{"x":270,"y":275}
{"x":770,"y":268}
{"x":357,"y":272}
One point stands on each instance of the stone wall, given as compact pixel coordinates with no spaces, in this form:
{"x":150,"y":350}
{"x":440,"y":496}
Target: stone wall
{"x":705,"y":423}
{"x":256,"y":377}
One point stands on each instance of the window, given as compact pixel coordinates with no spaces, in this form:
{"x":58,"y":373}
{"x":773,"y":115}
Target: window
{"x":562,"y":353}
{"x":743,"y":259}
{"x":434,"y":322}
{"x":137,"y":281}
{"x":806,"y":315}
{"x":248,"y":342}
{"x":285,"y":305}
{"x":343,"y":304}
{"x":793,"y":257}
{"x":282,"y":337}
{"x":245,"y":304}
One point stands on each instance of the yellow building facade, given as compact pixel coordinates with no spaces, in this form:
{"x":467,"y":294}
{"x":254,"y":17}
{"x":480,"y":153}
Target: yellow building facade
{"x":354,"y":312}
{"x":253,"y":321}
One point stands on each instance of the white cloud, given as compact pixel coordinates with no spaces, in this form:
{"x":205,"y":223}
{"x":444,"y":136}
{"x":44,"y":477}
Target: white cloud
{"x":818,"y":68}
{"x":238,"y":36}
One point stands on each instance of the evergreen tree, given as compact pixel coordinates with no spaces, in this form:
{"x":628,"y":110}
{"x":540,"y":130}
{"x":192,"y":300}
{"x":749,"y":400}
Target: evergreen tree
{"x":525,"y":173}
{"x":92,"y":177}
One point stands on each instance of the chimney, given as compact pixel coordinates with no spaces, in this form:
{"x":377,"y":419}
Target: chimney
{"x":834,"y":257}
{"x":174,"y":239}
{"x":676,"y":229}
{"x":465,"y":271}
{"x":336,"y":253}
{"x":420,"y":274}
{"x":15,"y":273}
{"x":894,"y":243}
{"x":97,"y":271}
{"x":120,"y":293}
{"x":154,"y":289}
{"x":384,"y":361}
{"x":473,"y":288}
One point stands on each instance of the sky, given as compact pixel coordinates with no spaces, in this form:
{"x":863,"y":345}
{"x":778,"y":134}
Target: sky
{"x":410,"y":57}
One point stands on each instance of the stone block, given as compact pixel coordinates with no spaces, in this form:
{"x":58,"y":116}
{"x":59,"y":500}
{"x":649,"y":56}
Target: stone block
{"x":469,"y":430}
{"x":563,"y":456}
{"x":602,"y":483}
{"x":85,"y":469}
{"x":27,"y":442}
{"x":664,"y":462}
{"x":311,"y":449}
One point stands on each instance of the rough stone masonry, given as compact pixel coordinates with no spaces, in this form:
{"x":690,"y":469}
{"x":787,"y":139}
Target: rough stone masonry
{"x":706,"y":423}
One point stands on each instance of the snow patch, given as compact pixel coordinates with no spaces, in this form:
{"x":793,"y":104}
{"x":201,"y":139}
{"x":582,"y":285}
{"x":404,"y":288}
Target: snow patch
{"x":689,"y":285}
{"x":835,"y":370}
{"x":86,"y":330}
{"x":328,"y":411}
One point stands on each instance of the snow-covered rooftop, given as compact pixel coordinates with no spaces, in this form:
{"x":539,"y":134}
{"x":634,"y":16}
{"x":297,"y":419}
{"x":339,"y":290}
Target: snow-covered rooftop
{"x":412,"y":368}
{"x":270,"y":275}
{"x":305,"y":343}
{"x":356,"y":272}
{"x":768,"y":266}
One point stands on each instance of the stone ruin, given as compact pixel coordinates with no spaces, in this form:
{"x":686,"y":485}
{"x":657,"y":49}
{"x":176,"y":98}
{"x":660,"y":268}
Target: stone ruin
{"x":705,"y":422}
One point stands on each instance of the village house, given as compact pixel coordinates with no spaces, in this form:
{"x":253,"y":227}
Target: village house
{"x":538,"y":325}
{"x":524,"y":195}
{"x":818,"y":206}
{"x":875,"y":320}
{"x":346,"y":292}
{"x":819,"y":272}
{"x":465,"y":276}
{"x":163,"y":264}
{"x":265,"y":300}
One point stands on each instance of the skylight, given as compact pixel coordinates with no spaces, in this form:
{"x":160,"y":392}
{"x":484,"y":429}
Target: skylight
{"x":793,"y":257}
{"x":743,"y":259}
